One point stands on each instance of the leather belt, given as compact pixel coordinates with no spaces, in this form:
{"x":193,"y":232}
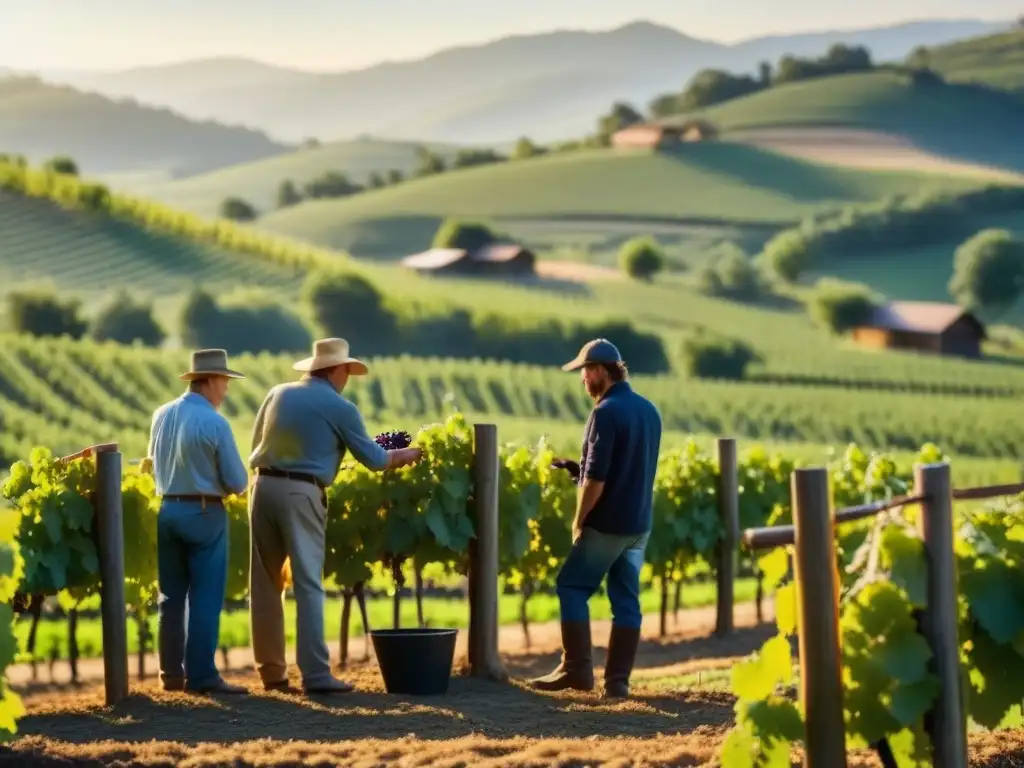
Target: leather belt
{"x":302,"y":477}
{"x":194,"y":497}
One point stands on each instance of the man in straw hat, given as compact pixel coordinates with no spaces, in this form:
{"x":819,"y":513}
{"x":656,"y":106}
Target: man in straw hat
{"x":612,"y":524}
{"x":302,"y":432}
{"x":195,"y":464}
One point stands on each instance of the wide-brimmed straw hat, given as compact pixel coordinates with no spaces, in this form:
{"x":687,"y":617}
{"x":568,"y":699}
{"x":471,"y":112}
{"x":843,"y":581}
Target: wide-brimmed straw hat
{"x":328,"y":353}
{"x":209,"y":362}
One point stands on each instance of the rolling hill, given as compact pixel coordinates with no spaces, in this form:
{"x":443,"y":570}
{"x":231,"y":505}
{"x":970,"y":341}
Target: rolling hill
{"x":956,"y":121}
{"x":258,"y":181}
{"x":997,"y":60}
{"x":458,"y":94}
{"x":711,"y":183}
{"x":104,"y":136}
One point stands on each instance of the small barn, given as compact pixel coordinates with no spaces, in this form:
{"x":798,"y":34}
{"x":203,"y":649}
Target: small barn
{"x":923,"y":326}
{"x":662,"y":135}
{"x":497,"y":259}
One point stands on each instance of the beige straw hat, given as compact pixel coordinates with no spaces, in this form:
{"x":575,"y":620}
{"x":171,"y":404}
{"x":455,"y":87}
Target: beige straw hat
{"x":328,"y":353}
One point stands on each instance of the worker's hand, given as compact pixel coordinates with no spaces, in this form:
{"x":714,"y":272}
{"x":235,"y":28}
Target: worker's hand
{"x":577,"y":531}
{"x":146,"y":466}
{"x":570,"y":466}
{"x":401,"y":457}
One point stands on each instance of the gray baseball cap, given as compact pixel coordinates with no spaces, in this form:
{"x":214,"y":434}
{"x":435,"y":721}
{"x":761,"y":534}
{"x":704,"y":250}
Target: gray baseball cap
{"x":594,"y":352}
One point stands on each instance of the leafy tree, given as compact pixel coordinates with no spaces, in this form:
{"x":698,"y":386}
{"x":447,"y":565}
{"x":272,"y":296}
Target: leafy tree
{"x":622,"y":115}
{"x":331,"y":184}
{"x":61,"y":164}
{"x":787,"y":254}
{"x":237,"y":209}
{"x":641,"y":258}
{"x":988,"y":271}
{"x":468,"y":235}
{"x":41,"y":312}
{"x":255,"y":323}
{"x":428,"y":163}
{"x":525,"y":148}
{"x":730,"y":272}
{"x":709,"y":356}
{"x":665,"y":105}
{"x":468,"y":158}
{"x":713,"y":86}
{"x":764,"y":74}
{"x":840,"y":306}
{"x":126,"y":321}
{"x":395,"y":176}
{"x":375,"y":181}
{"x":348,"y":305}
{"x":287,"y":194}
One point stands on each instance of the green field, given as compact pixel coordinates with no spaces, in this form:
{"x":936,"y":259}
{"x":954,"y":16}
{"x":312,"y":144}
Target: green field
{"x":957,"y":121}
{"x":703,"y":183}
{"x":997,"y":60}
{"x":258,"y":181}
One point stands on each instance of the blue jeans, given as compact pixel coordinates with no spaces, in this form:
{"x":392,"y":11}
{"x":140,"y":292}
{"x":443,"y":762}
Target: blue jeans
{"x":192,"y":565}
{"x":594,"y":555}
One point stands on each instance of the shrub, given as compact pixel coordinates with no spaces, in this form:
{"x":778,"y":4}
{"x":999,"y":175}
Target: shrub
{"x":42,"y":312}
{"x":787,"y":254}
{"x":729,"y":272}
{"x":252,"y":324}
{"x":466,"y":235}
{"x":840,"y":306}
{"x":708,"y":356}
{"x":988,"y":271}
{"x":350,"y":306}
{"x":126,"y":321}
{"x":641,"y":258}
{"x":236,"y":209}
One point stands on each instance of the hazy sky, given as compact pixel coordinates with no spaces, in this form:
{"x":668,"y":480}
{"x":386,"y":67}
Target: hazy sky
{"x":347,"y":34}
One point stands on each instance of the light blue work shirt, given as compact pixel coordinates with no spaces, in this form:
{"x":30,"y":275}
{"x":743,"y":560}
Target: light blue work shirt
{"x":193,"y":450}
{"x":306,"y":426}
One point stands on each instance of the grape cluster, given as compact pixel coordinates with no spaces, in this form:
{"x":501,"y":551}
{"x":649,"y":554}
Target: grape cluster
{"x":393,"y":440}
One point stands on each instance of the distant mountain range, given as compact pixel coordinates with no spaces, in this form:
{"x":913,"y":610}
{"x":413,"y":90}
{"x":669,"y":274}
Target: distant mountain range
{"x":547,"y":86}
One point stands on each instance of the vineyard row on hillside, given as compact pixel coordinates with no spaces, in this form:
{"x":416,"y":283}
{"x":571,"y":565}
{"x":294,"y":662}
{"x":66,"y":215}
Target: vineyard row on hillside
{"x":64,"y":394}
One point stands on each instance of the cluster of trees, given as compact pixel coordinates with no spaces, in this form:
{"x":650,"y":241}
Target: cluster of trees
{"x":730,"y":273}
{"x":42,"y":312}
{"x":714,"y":86}
{"x":891,"y":224}
{"x":708,"y":355}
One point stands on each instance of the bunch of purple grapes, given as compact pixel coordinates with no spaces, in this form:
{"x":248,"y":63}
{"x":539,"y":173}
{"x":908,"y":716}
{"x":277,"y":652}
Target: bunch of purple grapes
{"x":391,"y":441}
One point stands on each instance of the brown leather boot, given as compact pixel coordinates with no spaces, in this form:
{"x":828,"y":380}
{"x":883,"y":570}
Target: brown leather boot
{"x":622,"y":647}
{"x":577,"y":668}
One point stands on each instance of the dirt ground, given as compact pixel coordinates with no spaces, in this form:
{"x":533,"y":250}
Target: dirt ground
{"x":477,"y":723}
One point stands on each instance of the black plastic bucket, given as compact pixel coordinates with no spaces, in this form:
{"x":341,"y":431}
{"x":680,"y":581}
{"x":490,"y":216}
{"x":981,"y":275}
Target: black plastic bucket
{"x":417,"y":662}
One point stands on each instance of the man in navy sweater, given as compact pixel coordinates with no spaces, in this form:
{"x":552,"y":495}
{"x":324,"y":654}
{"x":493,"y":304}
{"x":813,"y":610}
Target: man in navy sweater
{"x":612,"y":524}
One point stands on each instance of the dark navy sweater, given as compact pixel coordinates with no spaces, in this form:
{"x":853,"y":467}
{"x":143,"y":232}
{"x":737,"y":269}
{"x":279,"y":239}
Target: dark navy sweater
{"x":620,"y":449}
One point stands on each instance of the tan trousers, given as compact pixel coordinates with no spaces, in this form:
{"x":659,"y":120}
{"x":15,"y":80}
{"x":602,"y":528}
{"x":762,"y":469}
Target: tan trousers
{"x":287,"y":519}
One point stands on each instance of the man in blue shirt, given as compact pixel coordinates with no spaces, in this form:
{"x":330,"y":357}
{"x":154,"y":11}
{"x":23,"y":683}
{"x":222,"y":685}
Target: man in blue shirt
{"x":612,"y":524}
{"x":195,"y":464}
{"x":302,"y":432}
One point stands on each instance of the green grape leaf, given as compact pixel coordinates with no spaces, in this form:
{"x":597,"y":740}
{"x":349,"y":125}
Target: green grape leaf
{"x":11,"y":708}
{"x":437,"y":523}
{"x":776,"y":719}
{"x":910,"y":701}
{"x":905,"y":656}
{"x":774,"y":566}
{"x":786,"y":609}
{"x":756,"y":678}
{"x":995,"y":598}
{"x":903,"y":555}
{"x":738,"y":749}
{"x":8,"y":641}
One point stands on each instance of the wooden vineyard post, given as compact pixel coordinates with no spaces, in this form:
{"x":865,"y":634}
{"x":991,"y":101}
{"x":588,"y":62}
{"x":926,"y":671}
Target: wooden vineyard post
{"x":484,"y":660}
{"x":110,"y":531}
{"x":821,"y":688}
{"x":945,"y":724}
{"x":729,"y":514}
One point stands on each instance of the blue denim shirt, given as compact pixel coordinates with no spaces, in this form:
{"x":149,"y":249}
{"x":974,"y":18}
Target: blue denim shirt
{"x":194,"y":451}
{"x":620,"y":448}
{"x":306,"y":426}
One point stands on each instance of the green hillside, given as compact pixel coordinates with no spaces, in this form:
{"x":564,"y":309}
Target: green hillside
{"x":711,"y":183}
{"x":40,"y":120}
{"x":953,"y":120}
{"x":996,"y":60}
{"x":258,"y":181}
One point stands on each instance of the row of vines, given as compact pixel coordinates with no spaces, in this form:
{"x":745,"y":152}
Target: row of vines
{"x":888,"y":686}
